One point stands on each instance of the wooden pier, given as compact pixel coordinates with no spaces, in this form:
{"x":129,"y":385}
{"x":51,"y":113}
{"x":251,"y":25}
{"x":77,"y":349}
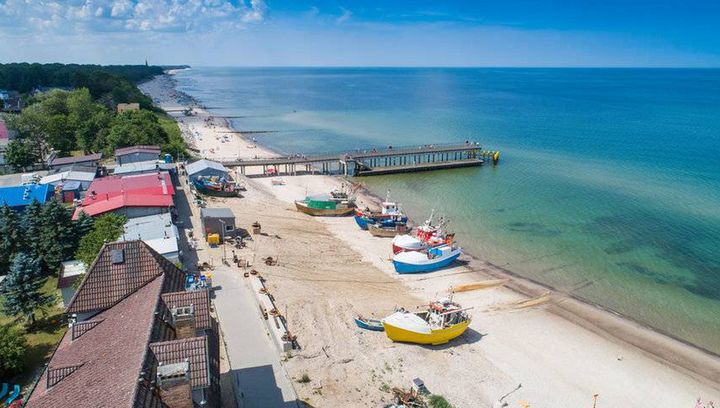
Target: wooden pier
{"x":375,"y":161}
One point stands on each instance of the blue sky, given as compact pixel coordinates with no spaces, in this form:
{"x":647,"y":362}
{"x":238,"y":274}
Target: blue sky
{"x":657,"y":33}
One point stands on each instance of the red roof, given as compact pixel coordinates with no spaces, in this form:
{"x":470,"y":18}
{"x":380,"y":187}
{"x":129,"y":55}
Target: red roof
{"x":114,"y":192}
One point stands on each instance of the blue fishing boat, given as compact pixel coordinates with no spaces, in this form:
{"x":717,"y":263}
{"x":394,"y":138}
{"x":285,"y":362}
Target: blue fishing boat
{"x":369,"y":324}
{"x":428,"y":261}
{"x":390,"y":213}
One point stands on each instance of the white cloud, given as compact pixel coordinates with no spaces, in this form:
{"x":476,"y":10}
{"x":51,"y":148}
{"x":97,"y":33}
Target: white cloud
{"x":87,"y":16}
{"x":256,"y":12}
{"x":345,"y":16}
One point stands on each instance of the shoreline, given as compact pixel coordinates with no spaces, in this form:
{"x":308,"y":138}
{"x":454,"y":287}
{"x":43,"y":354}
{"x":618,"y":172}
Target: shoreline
{"x":702,"y":365}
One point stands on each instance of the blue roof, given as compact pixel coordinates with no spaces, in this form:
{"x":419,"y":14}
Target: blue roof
{"x":20,"y":196}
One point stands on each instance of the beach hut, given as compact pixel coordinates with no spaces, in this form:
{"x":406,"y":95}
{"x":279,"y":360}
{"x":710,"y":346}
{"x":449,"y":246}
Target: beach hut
{"x":206,"y":168}
{"x":134,"y":154}
{"x":219,"y":221}
{"x":70,"y":191}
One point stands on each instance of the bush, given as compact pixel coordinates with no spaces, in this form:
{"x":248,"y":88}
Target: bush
{"x":438,"y":401}
{"x":304,"y":379}
{"x":13,"y":348}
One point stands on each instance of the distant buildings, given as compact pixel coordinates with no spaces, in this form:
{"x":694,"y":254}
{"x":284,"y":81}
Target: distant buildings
{"x":11,"y":101}
{"x":136,"y":154}
{"x":133,"y":196}
{"x":124,"y":107}
{"x":19,"y":197}
{"x":136,"y":338}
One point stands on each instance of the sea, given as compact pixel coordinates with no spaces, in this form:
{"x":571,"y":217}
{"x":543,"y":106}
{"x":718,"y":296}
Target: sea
{"x":608,"y":186}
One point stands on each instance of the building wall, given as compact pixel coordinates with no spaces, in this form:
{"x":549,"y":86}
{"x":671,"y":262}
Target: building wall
{"x":135,"y":157}
{"x":214,"y":226}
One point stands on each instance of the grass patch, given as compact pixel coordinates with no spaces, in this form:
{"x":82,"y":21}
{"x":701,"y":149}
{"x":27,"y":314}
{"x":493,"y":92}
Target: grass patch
{"x":304,"y":379}
{"x":438,"y":401}
{"x":41,"y":338}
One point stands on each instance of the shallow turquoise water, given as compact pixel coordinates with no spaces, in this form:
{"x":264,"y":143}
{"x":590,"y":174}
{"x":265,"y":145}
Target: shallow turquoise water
{"x":609,"y":184}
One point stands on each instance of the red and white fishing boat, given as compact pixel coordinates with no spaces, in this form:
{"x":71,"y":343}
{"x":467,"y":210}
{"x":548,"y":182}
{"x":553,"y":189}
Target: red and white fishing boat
{"x":425,"y":236}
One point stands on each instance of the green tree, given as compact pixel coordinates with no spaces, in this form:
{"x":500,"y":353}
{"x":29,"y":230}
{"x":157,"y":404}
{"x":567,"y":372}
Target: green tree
{"x":13,"y":348}
{"x":22,"y":287}
{"x":107,"y":228}
{"x":135,"y":128}
{"x":32,"y":127}
{"x":21,"y":154}
{"x":58,"y":239}
{"x":9,"y":236}
{"x":32,"y":229}
{"x":83,"y":225}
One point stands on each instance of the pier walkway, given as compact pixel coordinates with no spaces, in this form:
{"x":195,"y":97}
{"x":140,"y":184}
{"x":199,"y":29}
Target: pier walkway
{"x":375,"y":161}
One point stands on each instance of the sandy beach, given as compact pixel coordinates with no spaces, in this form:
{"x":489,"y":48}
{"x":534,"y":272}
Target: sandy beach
{"x":560,"y":350}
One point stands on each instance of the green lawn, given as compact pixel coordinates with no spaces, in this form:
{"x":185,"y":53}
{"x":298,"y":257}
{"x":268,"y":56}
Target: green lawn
{"x":42,"y":337}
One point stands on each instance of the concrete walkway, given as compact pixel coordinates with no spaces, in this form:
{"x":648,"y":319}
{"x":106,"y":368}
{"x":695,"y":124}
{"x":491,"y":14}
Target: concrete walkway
{"x":255,"y":361}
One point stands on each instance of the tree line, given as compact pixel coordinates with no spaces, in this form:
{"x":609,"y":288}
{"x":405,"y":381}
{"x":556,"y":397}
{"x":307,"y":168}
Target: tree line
{"x":84,"y":118}
{"x":67,"y":121}
{"x":113,"y":83}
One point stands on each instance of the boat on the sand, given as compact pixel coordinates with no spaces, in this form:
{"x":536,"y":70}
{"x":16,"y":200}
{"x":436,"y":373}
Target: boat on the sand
{"x":388,"y":230}
{"x":426,"y":261}
{"x":425,"y":236}
{"x":216,"y":186}
{"x":443,"y":321}
{"x":326,"y":206}
{"x":369,"y":324}
{"x":390,"y":212}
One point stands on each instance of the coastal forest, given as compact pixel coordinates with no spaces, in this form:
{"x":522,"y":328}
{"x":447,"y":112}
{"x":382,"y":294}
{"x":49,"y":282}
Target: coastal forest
{"x":71,"y":109}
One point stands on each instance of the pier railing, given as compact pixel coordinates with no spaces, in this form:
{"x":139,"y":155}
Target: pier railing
{"x":375,"y":160}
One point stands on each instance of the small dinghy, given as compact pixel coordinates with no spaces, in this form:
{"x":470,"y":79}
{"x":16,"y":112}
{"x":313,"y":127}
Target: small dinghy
{"x":433,"y":259}
{"x":369,"y":324}
{"x":388,"y":230}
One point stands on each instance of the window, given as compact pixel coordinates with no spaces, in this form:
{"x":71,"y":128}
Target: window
{"x":228,"y":228}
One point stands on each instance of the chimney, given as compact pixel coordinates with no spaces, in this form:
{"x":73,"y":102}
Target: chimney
{"x":184,"y":321}
{"x":174,"y":383}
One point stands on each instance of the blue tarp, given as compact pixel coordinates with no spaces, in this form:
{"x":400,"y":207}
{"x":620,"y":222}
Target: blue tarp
{"x":17,"y":197}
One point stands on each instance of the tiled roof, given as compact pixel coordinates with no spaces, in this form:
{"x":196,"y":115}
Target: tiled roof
{"x":106,"y":283}
{"x":194,"y":349}
{"x":111,"y":354}
{"x":137,"y":149}
{"x":61,"y":161}
{"x":200,"y":299}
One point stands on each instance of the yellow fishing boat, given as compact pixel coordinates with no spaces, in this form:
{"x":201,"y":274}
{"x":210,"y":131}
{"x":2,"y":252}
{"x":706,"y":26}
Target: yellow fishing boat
{"x":443,"y":321}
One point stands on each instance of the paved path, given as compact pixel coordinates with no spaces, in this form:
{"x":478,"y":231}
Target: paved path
{"x":261,"y":380}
